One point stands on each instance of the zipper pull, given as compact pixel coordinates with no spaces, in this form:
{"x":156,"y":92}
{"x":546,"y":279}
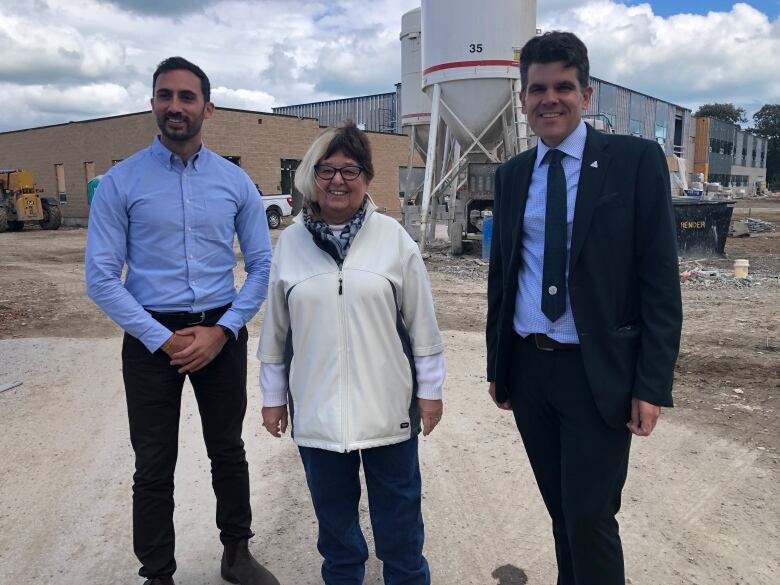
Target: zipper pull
{"x":341,"y":287}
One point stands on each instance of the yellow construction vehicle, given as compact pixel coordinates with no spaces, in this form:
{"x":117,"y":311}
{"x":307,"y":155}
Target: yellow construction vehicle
{"x":21,"y":202}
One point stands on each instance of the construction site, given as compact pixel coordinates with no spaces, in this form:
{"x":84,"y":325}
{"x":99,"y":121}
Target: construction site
{"x":700,"y":504}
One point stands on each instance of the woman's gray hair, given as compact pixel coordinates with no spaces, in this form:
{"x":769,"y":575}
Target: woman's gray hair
{"x":349,"y":140}
{"x":304,"y":174}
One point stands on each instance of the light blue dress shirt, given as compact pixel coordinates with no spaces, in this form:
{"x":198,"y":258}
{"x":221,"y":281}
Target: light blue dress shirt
{"x":173,"y":226}
{"x":528,"y":304}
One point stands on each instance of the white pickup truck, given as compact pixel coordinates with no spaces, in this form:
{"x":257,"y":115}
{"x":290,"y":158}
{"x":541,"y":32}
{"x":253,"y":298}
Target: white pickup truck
{"x":277,"y":207}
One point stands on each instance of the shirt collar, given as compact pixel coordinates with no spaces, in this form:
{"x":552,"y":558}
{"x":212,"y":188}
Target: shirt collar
{"x":573,"y":145}
{"x":168,"y":157}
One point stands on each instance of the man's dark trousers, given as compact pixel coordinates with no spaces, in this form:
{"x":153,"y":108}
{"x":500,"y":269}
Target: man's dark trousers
{"x":153,"y":389}
{"x":579,"y":462}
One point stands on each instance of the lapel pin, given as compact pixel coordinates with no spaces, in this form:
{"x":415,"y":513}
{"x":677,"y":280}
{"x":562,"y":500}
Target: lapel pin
{"x":594,"y":164}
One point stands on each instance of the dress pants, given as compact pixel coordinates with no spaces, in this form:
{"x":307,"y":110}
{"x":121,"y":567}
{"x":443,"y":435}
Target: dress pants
{"x":153,"y":389}
{"x":579,"y":462}
{"x":394,"y":501}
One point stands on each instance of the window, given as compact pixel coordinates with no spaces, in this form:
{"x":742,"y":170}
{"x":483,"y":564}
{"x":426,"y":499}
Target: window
{"x":612,"y":119}
{"x":416,"y":180}
{"x":59,"y":174}
{"x":288,"y":168}
{"x":89,"y":171}
{"x":660,"y":134}
{"x":723,"y":179}
{"x":635,"y":128}
{"x":719,"y":146}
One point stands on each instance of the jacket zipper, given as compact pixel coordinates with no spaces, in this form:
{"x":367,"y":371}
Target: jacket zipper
{"x":344,"y":369}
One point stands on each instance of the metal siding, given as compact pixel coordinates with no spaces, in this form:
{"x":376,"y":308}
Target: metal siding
{"x":379,"y":112}
{"x":593,"y":106}
{"x":671,"y":118}
{"x":623,"y":105}
{"x":649,"y":119}
{"x":376,"y":112}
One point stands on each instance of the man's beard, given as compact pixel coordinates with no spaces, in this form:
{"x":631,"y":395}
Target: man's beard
{"x":189,"y":129}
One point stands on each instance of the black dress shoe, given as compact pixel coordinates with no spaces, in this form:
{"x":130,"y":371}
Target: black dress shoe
{"x":239,"y":566}
{"x":167,"y":580}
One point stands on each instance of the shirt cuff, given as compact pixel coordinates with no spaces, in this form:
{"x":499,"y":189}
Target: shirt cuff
{"x":226,"y":321}
{"x":155,"y":336}
{"x":430,"y":376}
{"x":273,"y":384}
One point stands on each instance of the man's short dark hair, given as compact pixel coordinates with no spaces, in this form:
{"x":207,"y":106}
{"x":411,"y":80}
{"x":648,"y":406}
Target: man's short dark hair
{"x":552,"y":47}
{"x":179,"y":63}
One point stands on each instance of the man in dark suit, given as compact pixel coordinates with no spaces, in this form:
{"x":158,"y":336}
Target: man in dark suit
{"x":584,"y":308}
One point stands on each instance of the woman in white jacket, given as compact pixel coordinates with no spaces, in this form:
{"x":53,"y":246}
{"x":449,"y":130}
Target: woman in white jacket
{"x":350,"y":344}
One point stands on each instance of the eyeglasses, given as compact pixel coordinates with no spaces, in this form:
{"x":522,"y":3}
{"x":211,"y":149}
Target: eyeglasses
{"x":327,"y":172}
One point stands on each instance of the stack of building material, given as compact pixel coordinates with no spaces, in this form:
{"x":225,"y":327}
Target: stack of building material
{"x":758,"y":226}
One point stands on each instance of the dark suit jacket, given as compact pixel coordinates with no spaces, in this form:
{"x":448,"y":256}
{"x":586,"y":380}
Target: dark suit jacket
{"x":623,"y":272}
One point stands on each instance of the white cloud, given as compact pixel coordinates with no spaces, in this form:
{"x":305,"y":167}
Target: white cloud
{"x":50,"y":52}
{"x":242,"y":99}
{"x":75,"y":59}
{"x":38,"y":105}
{"x":687,"y":59}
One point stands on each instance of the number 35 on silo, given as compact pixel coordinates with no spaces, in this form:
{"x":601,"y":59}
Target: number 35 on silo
{"x":475,"y":48}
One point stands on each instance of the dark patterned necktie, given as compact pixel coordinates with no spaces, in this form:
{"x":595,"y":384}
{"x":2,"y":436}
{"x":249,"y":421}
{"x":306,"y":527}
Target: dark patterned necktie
{"x":554,"y":273}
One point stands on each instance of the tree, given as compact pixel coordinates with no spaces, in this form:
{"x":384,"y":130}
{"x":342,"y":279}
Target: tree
{"x":766,"y":121}
{"x":767,"y":124}
{"x":725,"y":112}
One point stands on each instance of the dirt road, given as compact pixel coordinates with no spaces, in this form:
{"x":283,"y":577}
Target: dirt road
{"x":700,"y":506}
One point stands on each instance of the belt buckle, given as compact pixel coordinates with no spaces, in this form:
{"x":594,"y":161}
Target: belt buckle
{"x":536,"y":343}
{"x":200,"y":320}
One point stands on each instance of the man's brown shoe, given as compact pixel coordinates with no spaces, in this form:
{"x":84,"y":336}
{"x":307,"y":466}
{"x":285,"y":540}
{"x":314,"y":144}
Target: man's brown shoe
{"x":239,"y":566}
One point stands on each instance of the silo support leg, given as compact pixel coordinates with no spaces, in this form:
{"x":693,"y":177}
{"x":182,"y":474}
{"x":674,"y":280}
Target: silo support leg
{"x":430,"y":164}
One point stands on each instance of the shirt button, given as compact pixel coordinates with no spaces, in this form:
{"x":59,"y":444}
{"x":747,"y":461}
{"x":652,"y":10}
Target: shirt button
{"x":553,"y":290}
{"x":190,"y":256}
{"x":189,"y":229}
{"x":194,"y":282}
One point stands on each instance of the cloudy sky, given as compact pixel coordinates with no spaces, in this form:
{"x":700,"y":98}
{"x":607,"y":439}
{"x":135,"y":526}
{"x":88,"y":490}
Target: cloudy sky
{"x":77,"y":59}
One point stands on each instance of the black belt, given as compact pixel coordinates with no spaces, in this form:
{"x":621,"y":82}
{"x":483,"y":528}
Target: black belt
{"x":207,"y":317}
{"x":541,"y":341}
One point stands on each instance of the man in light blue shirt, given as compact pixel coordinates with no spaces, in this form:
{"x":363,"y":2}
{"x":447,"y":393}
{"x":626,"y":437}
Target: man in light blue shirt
{"x":169,"y":214}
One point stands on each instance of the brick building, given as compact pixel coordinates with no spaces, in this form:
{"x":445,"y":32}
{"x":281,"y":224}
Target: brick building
{"x":64,"y":157}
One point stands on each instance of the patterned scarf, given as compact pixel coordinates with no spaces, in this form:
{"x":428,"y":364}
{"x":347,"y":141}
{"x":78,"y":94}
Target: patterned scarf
{"x":336,"y":246}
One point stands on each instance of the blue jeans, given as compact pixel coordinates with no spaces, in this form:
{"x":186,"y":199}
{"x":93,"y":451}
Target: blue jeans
{"x":394,"y":499}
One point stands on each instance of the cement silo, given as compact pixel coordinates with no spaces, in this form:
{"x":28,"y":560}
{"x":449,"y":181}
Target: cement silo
{"x":470,"y":54}
{"x":415,"y":104}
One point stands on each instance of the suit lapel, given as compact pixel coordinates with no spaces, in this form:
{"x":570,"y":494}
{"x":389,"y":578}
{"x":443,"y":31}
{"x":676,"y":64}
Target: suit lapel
{"x":595,"y":162}
{"x":519,"y":195}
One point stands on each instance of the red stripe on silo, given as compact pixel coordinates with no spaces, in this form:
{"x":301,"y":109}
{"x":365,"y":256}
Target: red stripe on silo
{"x":456,"y":64}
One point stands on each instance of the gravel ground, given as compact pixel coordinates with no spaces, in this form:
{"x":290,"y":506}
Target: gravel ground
{"x":700,"y":506}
